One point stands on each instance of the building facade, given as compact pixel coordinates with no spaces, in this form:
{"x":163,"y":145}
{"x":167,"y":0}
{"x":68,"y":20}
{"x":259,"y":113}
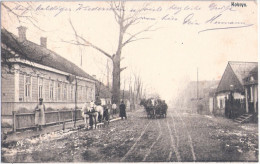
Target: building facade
{"x":31,"y":71}
{"x":232,"y":84}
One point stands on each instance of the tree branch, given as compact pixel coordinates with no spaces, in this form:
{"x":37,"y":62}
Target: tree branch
{"x":121,"y":69}
{"x":131,"y":39}
{"x":122,"y":58}
{"x":87,"y":43}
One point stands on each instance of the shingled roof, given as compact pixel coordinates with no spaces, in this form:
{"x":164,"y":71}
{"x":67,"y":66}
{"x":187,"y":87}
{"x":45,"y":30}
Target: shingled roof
{"x":234,"y":74}
{"x":35,"y":53}
{"x":242,"y":69}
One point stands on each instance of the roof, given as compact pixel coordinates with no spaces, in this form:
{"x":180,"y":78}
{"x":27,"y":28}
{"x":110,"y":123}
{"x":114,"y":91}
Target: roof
{"x":252,"y":81}
{"x":234,"y":74}
{"x":35,"y":53}
{"x":242,"y":69}
{"x":254,"y":71}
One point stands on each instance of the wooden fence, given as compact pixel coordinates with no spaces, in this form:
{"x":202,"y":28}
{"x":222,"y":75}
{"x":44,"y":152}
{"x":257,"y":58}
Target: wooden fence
{"x":27,"y":120}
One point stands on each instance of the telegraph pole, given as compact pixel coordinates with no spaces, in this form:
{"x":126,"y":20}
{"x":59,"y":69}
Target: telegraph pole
{"x":76,"y":90}
{"x":197,"y":84}
{"x":198,"y":108}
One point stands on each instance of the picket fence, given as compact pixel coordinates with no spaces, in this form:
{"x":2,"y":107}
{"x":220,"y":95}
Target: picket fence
{"x":27,"y":120}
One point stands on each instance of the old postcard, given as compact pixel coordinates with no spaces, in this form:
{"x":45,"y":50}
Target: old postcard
{"x":129,"y":81}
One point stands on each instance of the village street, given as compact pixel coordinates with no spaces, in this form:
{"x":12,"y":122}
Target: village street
{"x":180,"y":137}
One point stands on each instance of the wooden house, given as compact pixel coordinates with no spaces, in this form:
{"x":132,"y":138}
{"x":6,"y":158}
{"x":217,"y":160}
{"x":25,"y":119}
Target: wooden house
{"x":232,"y":81}
{"x":31,"y":71}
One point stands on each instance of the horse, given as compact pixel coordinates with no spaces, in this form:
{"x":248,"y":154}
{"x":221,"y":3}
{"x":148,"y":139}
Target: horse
{"x":100,"y":110}
{"x":95,"y":114}
{"x":84,"y":110}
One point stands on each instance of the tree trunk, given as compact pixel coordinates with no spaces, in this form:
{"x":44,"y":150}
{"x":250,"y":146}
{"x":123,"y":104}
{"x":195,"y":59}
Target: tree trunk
{"x":116,"y":80}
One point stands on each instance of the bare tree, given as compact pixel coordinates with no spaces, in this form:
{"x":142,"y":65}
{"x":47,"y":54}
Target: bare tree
{"x":16,"y":48}
{"x":124,"y":22}
{"x":22,"y":12}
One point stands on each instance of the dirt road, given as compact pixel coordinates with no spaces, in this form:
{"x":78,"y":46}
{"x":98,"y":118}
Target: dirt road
{"x":180,"y":137}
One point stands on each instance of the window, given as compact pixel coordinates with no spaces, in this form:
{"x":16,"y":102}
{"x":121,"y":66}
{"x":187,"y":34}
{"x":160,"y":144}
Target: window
{"x":40,"y":86}
{"x":221,"y":103}
{"x":28,"y":86}
{"x":59,"y":91}
{"x":51,"y":90}
{"x":65,"y":92}
{"x":80,"y":93}
{"x":252,"y":78}
{"x":86,"y":93}
{"x":92,"y":94}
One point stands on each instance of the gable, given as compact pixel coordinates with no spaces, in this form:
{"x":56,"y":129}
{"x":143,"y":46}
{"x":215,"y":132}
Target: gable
{"x":229,"y":78}
{"x":242,"y":69}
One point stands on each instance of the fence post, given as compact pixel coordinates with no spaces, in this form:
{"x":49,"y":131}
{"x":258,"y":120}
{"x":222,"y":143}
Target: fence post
{"x":14,"y":122}
{"x":58,"y":115}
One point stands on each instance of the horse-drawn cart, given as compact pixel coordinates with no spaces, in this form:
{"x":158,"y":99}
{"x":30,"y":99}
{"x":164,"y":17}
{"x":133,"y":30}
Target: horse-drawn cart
{"x":155,"y":108}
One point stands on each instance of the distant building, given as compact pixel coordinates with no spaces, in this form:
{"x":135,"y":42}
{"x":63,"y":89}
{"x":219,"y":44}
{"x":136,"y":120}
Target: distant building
{"x":232,"y":81}
{"x":198,"y":93}
{"x":33,"y":71}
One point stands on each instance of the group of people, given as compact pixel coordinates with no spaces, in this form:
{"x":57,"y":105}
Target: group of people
{"x":87,"y":113}
{"x":104,"y":112}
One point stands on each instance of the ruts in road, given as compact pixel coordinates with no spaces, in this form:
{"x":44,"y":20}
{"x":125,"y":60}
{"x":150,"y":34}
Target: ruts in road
{"x":180,"y":137}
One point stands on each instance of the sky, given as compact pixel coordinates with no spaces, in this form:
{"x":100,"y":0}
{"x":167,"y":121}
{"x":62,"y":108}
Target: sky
{"x":188,"y":36}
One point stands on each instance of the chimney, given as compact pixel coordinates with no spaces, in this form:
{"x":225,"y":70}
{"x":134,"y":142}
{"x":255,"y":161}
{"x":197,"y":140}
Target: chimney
{"x":22,"y":33}
{"x":43,"y":42}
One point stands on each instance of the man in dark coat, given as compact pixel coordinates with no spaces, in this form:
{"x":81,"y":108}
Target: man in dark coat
{"x":122,"y":108}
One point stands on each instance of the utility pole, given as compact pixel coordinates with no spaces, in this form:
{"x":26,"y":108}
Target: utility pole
{"x":76,"y":88}
{"x":198,"y":107}
{"x":108,"y":70}
{"x":197,"y":84}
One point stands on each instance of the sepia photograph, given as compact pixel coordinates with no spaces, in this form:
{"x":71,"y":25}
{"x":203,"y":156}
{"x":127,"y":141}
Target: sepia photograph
{"x":129,"y":81}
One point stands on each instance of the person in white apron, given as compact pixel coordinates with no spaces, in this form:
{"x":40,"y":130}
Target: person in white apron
{"x":39,"y":114}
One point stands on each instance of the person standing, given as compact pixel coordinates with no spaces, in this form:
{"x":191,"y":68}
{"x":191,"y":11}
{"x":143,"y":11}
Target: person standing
{"x":92,"y":109}
{"x":122,"y":108}
{"x":40,"y":115}
{"x":106,"y":115}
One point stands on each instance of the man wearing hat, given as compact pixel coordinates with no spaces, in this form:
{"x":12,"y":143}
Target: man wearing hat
{"x":122,"y":108}
{"x":40,"y":115}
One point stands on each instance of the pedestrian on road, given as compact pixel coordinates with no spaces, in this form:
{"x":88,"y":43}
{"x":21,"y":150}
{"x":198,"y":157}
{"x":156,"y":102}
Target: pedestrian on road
{"x":106,"y":115}
{"x":92,"y":110}
{"x":114,"y":108}
{"x":122,"y":108}
{"x":109,"y":106}
{"x":39,"y":115}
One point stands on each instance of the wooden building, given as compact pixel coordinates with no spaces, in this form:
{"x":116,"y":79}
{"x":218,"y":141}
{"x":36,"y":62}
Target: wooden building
{"x":232,"y":81}
{"x":31,"y":71}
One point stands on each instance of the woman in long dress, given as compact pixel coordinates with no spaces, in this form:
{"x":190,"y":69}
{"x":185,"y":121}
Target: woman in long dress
{"x":39,"y":114}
